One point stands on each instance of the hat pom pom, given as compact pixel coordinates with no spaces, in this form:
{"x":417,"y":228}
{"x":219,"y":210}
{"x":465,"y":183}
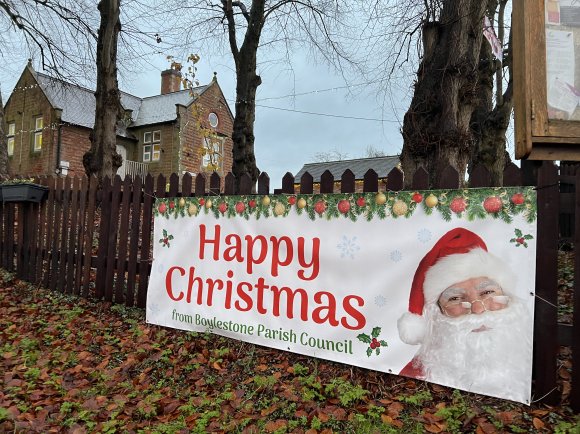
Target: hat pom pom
{"x":412,"y":328}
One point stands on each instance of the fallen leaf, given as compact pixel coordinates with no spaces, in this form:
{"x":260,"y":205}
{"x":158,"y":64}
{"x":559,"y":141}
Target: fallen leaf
{"x":538,"y":424}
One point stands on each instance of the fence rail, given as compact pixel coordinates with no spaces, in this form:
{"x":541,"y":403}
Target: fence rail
{"x":94,"y":240}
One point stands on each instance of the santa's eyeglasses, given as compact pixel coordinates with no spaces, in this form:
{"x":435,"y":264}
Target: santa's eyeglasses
{"x":488,"y":296}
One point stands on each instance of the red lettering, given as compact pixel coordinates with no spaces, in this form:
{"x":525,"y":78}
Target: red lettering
{"x":276,"y":247}
{"x":244,"y":296}
{"x":211,"y":284}
{"x":290,"y":301}
{"x":262,"y":250}
{"x":361,"y":321}
{"x":235,"y":251}
{"x":169,"y":283}
{"x":199,"y":282}
{"x":215,"y":241}
{"x":261,"y":286}
{"x":330,"y":308}
{"x":315,"y":261}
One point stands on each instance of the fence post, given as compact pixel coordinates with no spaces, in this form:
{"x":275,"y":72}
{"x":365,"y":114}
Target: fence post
{"x":575,"y":393}
{"x":546,"y":314}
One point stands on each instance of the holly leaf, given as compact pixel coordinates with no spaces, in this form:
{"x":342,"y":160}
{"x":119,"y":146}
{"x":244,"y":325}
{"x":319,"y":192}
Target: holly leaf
{"x":518,"y":233}
{"x":170,"y":237}
{"x":384,"y":343}
{"x":378,"y":350}
{"x":376,"y":332}
{"x":364,"y":338}
{"x":369,"y":351}
{"x":528,"y":237}
{"x":164,"y":232}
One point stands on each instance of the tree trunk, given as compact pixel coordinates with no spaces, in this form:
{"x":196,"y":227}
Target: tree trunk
{"x":102,"y":159}
{"x":489,"y":124}
{"x":247,"y":82}
{"x":3,"y":143}
{"x":436,"y":128}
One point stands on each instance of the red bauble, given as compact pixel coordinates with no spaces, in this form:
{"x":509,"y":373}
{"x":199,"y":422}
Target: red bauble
{"x":492,"y":204}
{"x":223,"y":207}
{"x":202,"y":201}
{"x":320,"y":207}
{"x":171,"y":205}
{"x":252,"y":203}
{"x":458,"y":205}
{"x":292,"y":200}
{"x":344,"y":206}
{"x":240,"y":207}
{"x":518,"y":199}
{"x":417,"y":197}
{"x":162,"y":207}
{"x":361,"y":201}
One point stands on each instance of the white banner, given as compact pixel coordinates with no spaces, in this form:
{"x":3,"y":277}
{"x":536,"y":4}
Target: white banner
{"x":435,"y":285}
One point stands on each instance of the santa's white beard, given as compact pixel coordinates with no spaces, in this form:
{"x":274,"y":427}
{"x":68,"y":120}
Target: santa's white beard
{"x":496,"y":361}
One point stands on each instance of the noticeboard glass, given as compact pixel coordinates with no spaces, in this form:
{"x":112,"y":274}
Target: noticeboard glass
{"x":563,"y":59}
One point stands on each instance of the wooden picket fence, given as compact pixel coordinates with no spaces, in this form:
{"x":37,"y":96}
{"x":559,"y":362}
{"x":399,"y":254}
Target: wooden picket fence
{"x":95,"y":240}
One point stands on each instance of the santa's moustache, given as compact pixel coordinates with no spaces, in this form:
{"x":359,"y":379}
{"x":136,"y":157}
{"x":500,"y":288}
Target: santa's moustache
{"x":496,"y":360}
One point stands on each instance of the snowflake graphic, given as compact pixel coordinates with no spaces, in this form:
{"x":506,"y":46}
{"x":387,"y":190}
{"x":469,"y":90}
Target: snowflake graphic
{"x":424,"y":235}
{"x":348,"y":247}
{"x":396,"y":256}
{"x":380,"y":300}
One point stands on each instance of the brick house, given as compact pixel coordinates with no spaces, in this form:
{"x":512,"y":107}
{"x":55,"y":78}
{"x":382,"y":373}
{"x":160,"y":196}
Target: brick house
{"x":358,"y":166}
{"x":48,"y":122}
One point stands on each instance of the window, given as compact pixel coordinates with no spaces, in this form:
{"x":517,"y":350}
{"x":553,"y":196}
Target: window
{"x":10,"y":137}
{"x":38,"y":126}
{"x":213,"y":119}
{"x":151,"y":146}
{"x":212,"y":154}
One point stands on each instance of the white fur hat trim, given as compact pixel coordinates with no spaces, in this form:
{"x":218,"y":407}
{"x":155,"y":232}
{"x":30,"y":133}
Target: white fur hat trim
{"x":412,"y":328}
{"x":457,"y":268}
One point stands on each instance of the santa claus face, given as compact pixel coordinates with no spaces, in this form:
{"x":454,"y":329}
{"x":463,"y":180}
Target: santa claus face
{"x":476,"y":295}
{"x":486,"y":350}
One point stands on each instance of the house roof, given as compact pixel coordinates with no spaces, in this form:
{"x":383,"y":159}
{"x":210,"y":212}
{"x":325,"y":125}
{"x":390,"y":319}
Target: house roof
{"x":78,"y":103}
{"x":359,"y":166}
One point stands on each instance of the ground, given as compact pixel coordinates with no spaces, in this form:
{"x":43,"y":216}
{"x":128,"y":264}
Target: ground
{"x":72,"y":365}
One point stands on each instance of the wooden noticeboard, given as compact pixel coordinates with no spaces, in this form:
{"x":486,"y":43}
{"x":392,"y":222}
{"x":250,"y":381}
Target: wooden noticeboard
{"x":546,"y":56}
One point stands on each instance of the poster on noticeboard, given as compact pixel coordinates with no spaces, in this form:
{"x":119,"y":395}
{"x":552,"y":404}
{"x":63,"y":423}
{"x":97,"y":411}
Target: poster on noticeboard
{"x":435,"y":285}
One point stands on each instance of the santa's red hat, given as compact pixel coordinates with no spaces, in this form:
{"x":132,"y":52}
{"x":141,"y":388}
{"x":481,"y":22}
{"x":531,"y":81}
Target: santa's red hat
{"x":459,"y":255}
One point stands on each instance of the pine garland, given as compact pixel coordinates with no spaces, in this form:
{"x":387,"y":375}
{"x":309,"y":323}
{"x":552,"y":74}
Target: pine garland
{"x":472,"y":204}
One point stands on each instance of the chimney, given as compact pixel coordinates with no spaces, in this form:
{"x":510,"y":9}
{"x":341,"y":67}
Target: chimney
{"x":170,"y":81}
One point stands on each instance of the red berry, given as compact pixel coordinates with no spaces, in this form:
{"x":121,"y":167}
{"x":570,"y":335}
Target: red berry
{"x":344,"y":206}
{"x":223,"y":207}
{"x":252,"y":203}
{"x":162,"y":207}
{"x":320,"y":207}
{"x":518,"y":199}
{"x":361,"y":201}
{"x":492,"y":204}
{"x":292,"y":200}
{"x":240,"y":207}
{"x":520,"y":240}
{"x":417,"y":197}
{"x":458,"y":205}
{"x":165,"y":240}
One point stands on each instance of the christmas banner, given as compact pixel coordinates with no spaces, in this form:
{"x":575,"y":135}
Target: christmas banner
{"x":434,"y":285}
